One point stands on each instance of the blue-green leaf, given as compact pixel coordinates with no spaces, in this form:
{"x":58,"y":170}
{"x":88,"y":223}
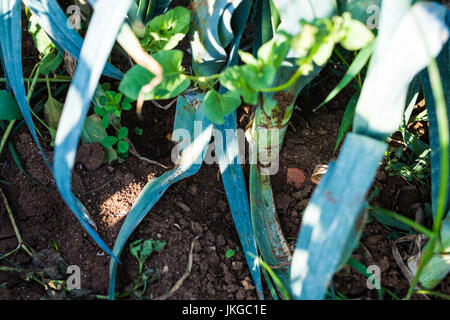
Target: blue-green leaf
{"x":104,"y":27}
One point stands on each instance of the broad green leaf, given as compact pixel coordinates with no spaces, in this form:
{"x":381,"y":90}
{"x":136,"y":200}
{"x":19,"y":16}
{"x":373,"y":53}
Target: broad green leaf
{"x":165,"y":31}
{"x":9,"y":109}
{"x":50,"y":62}
{"x":233,"y":78}
{"x":93,"y":132}
{"x":173,"y":84}
{"x":52,"y":110}
{"x":40,"y":37}
{"x":218,"y":106}
{"x":358,"y":36}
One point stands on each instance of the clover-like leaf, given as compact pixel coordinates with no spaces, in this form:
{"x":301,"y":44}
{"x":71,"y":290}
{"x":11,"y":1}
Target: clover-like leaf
{"x":93,"y":132}
{"x":123,"y":133}
{"x":123,"y":146}
{"x":109,"y":141}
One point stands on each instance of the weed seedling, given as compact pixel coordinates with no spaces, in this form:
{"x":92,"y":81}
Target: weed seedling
{"x":141,"y":250}
{"x":113,"y":105}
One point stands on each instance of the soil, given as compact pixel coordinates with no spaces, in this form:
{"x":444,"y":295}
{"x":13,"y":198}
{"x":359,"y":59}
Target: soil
{"x":194,"y":207}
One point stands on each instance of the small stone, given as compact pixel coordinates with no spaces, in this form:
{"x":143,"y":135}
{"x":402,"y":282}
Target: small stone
{"x":295,"y":177}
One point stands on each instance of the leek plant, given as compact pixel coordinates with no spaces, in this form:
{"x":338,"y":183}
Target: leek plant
{"x":292,"y":42}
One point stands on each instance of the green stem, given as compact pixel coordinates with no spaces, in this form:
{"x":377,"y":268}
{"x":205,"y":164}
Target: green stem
{"x":40,"y":80}
{"x":286,"y":85}
{"x":202,"y":79}
{"x":3,"y":256}
{"x":49,"y":91}
{"x":6,"y":134}
{"x":13,"y":222}
{"x":358,"y":77}
{"x":443,"y":129}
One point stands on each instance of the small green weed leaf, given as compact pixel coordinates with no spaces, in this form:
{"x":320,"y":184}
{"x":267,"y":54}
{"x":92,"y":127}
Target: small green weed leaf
{"x":93,"y":132}
{"x":100,"y":111}
{"x":158,"y":245}
{"x":230,"y":253}
{"x":358,"y":36}
{"x":123,"y":133}
{"x":52,"y":110}
{"x":135,"y":248}
{"x":218,"y":106}
{"x":165,"y":31}
{"x":141,"y":250}
{"x":9,"y":109}
{"x":50,"y":62}
{"x":123,"y":146}
{"x":109,"y":141}
{"x":139,"y":131}
{"x":173,"y":84}
{"x":126,"y":106}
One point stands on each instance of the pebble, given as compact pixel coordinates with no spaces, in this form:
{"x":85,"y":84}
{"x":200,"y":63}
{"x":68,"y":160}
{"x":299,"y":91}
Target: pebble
{"x":295,"y":177}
